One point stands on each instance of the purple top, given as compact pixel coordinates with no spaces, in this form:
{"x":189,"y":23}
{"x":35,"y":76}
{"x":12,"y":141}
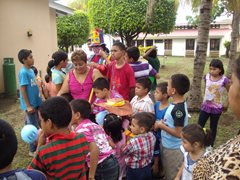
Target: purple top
{"x":212,"y":102}
{"x":80,"y":90}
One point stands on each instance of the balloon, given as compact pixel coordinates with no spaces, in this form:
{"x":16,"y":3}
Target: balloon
{"x":100,"y":117}
{"x":29,"y":133}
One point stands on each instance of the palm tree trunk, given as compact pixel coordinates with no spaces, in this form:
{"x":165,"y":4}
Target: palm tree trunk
{"x":195,"y":94}
{"x":234,"y":41}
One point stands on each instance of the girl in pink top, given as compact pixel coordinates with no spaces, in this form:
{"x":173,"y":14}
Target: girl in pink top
{"x":78,"y":82}
{"x":113,"y":127}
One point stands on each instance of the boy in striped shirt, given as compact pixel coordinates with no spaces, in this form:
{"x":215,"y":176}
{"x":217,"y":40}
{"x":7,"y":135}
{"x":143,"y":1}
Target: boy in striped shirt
{"x":63,"y":157}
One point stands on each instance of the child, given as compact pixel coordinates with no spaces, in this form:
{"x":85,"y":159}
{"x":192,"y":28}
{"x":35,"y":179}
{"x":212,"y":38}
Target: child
{"x":49,"y":86}
{"x":113,"y":127}
{"x":212,"y":105}
{"x":141,"y":101}
{"x":30,"y":98}
{"x":141,"y":69}
{"x":59,"y":61}
{"x":160,"y":109}
{"x":194,"y":140}
{"x":175,"y":119}
{"x":139,"y":150}
{"x":63,"y":157}
{"x":119,"y":72}
{"x":101,"y":161}
{"x":9,"y":145}
{"x":102,"y":91}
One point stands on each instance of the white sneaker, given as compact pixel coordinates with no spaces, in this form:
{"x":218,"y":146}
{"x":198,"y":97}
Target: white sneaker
{"x":32,"y":154}
{"x":209,"y":149}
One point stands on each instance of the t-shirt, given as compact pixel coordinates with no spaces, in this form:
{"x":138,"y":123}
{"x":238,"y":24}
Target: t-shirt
{"x":121,"y":80}
{"x":57,"y":76}
{"x":63,"y":157}
{"x":176,"y":116}
{"x":144,"y":104}
{"x":95,"y":133}
{"x":23,"y":174}
{"x":26,"y":77}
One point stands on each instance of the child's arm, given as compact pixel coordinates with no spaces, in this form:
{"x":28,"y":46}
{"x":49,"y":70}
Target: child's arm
{"x":94,"y":153}
{"x":145,"y":56}
{"x":179,"y":174}
{"x":132,"y":93}
{"x":30,"y":109}
{"x":176,"y":131}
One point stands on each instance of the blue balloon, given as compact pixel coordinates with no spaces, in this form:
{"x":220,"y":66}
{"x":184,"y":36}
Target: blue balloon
{"x":100,"y":117}
{"x":29,"y":133}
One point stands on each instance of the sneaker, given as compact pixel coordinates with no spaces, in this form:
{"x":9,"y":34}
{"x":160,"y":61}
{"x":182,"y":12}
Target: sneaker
{"x":32,"y":154}
{"x":209,"y":149}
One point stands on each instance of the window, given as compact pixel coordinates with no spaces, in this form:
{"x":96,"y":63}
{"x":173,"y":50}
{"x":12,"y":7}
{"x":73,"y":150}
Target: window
{"x":140,"y":42}
{"x":190,"y":44}
{"x":214,"y":44}
{"x":149,"y":42}
{"x":168,"y":44}
{"x":158,"y":41}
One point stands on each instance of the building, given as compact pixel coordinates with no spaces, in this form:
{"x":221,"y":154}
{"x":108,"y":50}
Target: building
{"x":29,"y":24}
{"x":182,"y":40}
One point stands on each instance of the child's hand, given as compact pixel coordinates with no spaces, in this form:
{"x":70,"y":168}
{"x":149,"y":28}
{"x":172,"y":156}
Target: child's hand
{"x":30,"y":109}
{"x":41,"y":139}
{"x":93,"y":65}
{"x":158,"y":125}
{"x":102,"y":54}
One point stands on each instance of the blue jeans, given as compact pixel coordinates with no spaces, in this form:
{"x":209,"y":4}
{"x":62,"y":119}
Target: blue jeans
{"x":108,"y":169}
{"x":32,"y":118}
{"x":139,"y":173}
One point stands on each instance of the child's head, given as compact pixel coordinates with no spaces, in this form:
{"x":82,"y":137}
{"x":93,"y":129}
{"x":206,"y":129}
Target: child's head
{"x":132,"y":54}
{"x":143,"y":86}
{"x":178,"y":84}
{"x":161,"y":91}
{"x":153,"y":53}
{"x":142,"y":123}
{"x":58,"y":58}
{"x":234,"y":91}
{"x":101,"y":87}
{"x":113,"y":127}
{"x":67,"y":96}
{"x":195,"y":137}
{"x":8,"y":144}
{"x":216,"y":67}
{"x":118,"y":50}
{"x":55,"y":113}
{"x":25,"y":57}
{"x":81,"y":110}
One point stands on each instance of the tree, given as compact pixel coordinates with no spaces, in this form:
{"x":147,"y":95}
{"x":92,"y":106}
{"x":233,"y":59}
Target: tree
{"x":79,"y":5}
{"x":127,"y":18}
{"x":72,"y":30}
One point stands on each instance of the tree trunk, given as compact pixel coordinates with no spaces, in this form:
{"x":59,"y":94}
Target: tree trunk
{"x":195,"y":94}
{"x":129,"y":41}
{"x":234,"y":41}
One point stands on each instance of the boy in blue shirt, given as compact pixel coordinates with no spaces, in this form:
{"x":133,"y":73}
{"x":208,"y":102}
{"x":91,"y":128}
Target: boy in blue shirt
{"x":171,"y":125}
{"x":30,"y":98}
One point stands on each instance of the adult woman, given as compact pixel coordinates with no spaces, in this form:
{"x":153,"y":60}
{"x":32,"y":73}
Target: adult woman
{"x":78,"y":82}
{"x":59,"y":61}
{"x":224,"y":162}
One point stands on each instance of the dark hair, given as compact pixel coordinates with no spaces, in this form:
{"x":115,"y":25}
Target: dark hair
{"x":181,"y":83}
{"x":67,"y":96}
{"x":34,"y":70}
{"x":57,"y":110}
{"x":23,"y":54}
{"x":145,"y":83}
{"x":57,"y":57}
{"x":195,"y":133}
{"x":236,"y":69}
{"x":152,"y":54}
{"x":79,"y":55}
{"x":101,"y":83}
{"x":47,"y":78}
{"x":133,"y":52}
{"x":217,"y":64}
{"x":105,"y":49}
{"x":120,"y":45}
{"x":163,"y":87}
{"x":113,"y":127}
{"x":82,"y":106}
{"x":8,"y":144}
{"x":145,"y":119}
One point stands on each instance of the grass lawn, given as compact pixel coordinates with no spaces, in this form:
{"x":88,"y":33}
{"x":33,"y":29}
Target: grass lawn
{"x":228,"y":125}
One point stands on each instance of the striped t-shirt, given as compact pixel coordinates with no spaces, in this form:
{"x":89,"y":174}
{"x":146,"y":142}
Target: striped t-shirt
{"x":63,"y":157}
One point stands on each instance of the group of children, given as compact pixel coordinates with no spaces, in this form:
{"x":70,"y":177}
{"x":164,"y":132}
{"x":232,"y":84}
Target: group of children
{"x":71,"y":146}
